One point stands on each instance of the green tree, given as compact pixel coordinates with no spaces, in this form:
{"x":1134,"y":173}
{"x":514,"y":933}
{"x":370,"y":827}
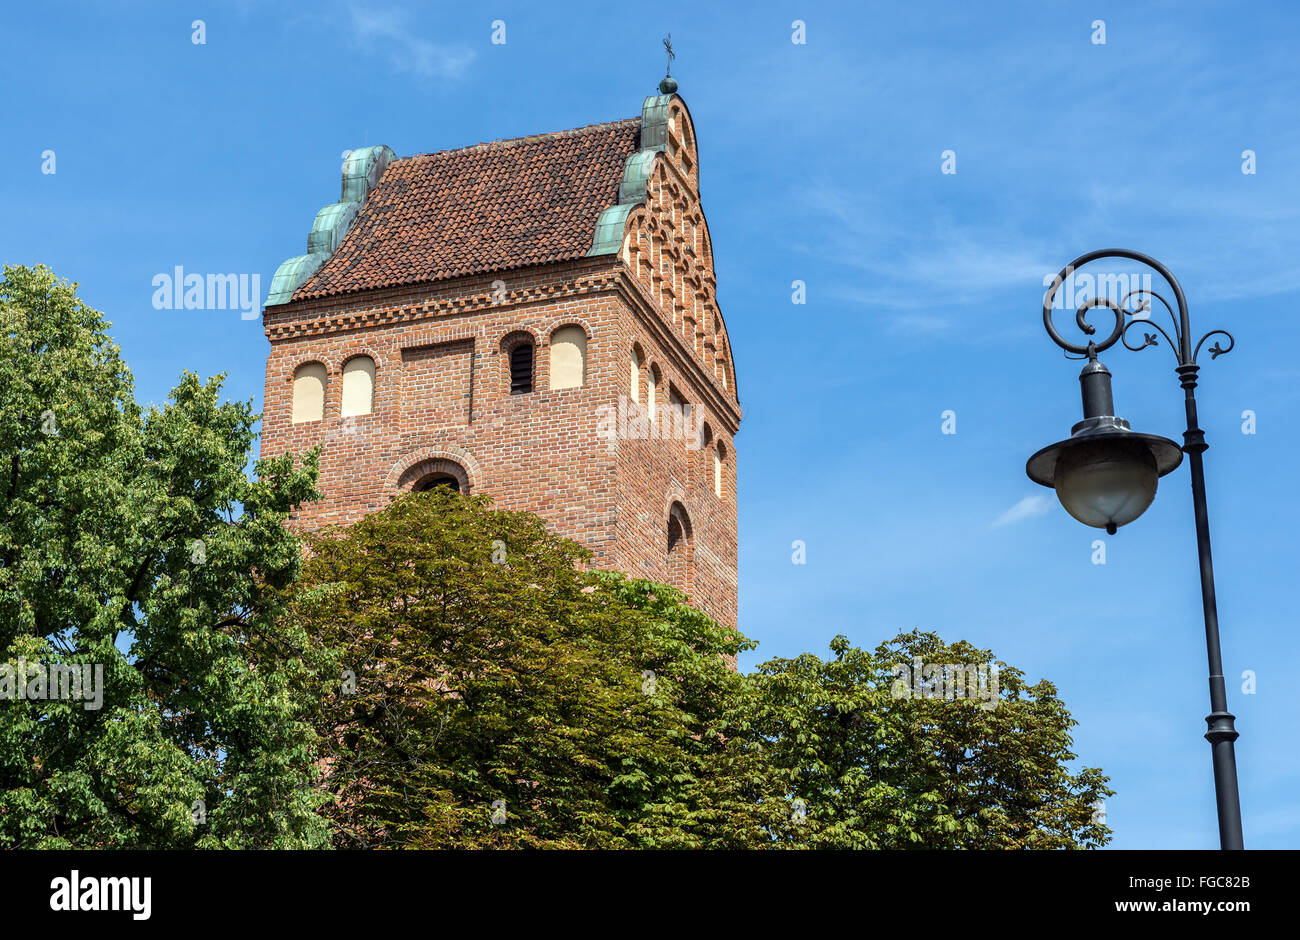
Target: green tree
{"x":133,"y":539}
{"x":474,"y":664}
{"x":477,"y":670}
{"x":871,"y":769}
{"x":722,"y":794}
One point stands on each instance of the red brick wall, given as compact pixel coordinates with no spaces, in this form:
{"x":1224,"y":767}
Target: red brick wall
{"x":653,"y":473}
{"x":442,"y":396}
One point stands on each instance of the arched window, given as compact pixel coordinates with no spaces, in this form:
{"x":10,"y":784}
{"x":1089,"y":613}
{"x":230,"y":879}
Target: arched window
{"x":521,"y":369}
{"x":720,"y":352}
{"x":652,"y":391}
{"x":308,"y":393}
{"x":679,"y":548}
{"x":637,"y":361}
{"x":707,"y":470}
{"x":568,"y":357}
{"x":679,"y":527}
{"x":435,"y":480}
{"x":435,"y":472}
{"x":719,"y":459}
{"x":676,"y":532}
{"x":358,"y":386}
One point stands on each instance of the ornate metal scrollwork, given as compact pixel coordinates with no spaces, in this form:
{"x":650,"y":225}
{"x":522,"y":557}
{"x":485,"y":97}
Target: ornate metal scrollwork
{"x":1080,"y":319}
{"x":1215,"y":351}
{"x":1128,"y":312}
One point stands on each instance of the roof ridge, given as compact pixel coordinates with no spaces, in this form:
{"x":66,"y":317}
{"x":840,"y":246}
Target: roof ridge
{"x":530,"y":138}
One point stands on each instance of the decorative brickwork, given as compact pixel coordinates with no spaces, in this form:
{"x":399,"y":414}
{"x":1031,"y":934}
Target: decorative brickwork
{"x":654,"y":499}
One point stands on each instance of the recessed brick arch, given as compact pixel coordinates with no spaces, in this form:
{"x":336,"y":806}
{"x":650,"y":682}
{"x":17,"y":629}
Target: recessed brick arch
{"x":413,"y":467}
{"x":679,"y":547}
{"x":556,"y":322}
{"x":311,"y":361}
{"x":303,"y":397}
{"x":677,"y":510}
{"x":677,"y":497}
{"x":637,"y":365}
{"x":517,"y":338}
{"x":351,"y":353}
{"x":513,"y":337}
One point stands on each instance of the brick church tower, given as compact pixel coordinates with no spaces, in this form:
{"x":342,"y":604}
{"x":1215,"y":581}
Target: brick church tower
{"x":535,"y":319}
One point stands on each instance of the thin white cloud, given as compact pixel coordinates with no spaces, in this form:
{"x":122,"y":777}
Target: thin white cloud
{"x":1029,"y":507}
{"x":909,"y":268}
{"x":389,"y":32}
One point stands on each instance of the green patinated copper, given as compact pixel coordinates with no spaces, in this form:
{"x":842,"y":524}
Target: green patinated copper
{"x":609,"y":230}
{"x":332,"y":223}
{"x":636,"y":171}
{"x":290,"y":274}
{"x":361,"y":172}
{"x":654,"y":122}
{"x":362,"y":169}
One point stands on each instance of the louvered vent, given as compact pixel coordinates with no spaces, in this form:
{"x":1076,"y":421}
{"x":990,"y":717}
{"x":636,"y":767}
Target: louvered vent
{"x":521,"y":369}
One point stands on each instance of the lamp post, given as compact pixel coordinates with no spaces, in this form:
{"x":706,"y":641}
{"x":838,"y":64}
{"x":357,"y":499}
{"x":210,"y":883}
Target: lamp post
{"x":1105,"y":474}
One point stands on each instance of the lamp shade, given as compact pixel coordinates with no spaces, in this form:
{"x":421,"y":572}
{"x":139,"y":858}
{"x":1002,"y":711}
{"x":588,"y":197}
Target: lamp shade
{"x":1105,"y":477}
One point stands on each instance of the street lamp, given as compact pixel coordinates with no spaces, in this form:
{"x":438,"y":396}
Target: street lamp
{"x":1105,"y":474}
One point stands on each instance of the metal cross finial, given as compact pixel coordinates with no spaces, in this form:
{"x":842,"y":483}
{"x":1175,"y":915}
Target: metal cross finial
{"x":668,"y":47}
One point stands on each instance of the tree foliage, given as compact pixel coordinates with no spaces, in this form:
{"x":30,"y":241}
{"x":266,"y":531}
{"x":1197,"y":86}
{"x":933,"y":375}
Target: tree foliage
{"x":478,"y":667}
{"x":488,"y":692}
{"x":133,"y":539}
{"x":872,"y":769}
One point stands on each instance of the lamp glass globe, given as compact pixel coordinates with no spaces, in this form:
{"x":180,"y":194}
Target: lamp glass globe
{"x":1106,"y":483}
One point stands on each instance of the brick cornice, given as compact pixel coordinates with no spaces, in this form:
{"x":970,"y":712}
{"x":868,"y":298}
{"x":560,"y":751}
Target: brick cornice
{"x":367,"y":309}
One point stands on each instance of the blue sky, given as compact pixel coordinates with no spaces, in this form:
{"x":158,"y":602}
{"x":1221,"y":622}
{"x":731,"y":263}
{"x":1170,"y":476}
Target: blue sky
{"x":820,"y":162}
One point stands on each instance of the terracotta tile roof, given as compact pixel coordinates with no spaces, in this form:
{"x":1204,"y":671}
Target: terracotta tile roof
{"x":490,"y":207}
